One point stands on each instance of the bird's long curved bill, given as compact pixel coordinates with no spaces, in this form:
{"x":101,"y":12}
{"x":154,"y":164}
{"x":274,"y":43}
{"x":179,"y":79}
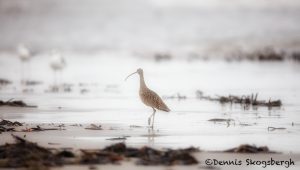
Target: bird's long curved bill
{"x":130,"y":75}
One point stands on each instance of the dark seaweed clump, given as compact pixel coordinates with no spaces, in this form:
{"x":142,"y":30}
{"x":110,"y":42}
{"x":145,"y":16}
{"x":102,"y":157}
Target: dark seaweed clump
{"x":249,"y":149}
{"x":10,"y":123}
{"x":14,"y":103}
{"x":29,"y":155}
{"x":163,"y":56}
{"x":8,"y":126}
{"x":244,"y":99}
{"x":148,"y":156}
{"x":295,"y":56}
{"x":4,"y":82}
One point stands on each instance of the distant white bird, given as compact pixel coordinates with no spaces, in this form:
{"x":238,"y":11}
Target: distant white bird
{"x":25,"y":56}
{"x":57,"y":63}
{"x":24,"y":53}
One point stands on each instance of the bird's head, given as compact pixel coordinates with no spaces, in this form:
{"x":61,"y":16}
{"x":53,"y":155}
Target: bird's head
{"x":138,"y":71}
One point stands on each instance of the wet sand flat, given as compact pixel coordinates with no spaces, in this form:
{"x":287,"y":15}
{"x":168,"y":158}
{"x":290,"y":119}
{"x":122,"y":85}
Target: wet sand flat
{"x":114,"y":104}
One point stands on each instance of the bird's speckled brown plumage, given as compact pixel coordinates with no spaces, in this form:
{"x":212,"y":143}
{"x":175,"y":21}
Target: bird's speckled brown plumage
{"x":149,"y":97}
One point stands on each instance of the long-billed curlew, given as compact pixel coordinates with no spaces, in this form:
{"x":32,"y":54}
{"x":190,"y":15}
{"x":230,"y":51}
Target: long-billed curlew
{"x":149,"y":97}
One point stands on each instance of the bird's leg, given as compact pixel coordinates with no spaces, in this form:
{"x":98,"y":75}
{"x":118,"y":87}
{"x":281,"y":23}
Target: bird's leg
{"x":153,"y":114}
{"x":149,"y":119}
{"x":153,"y":119}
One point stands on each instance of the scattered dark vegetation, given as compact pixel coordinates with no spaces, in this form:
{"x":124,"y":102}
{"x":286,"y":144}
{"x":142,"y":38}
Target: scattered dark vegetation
{"x":4,"y":82}
{"x":14,"y":103}
{"x":162,"y":56}
{"x":94,"y":127}
{"x":267,"y":54}
{"x":10,"y":123}
{"x":150,"y":156}
{"x":29,"y":155}
{"x":295,"y":56}
{"x":118,"y":138}
{"x":65,"y":87}
{"x":177,"y":96}
{"x":270,"y":128}
{"x":38,"y":129}
{"x":31,"y":82}
{"x":250,"y":149}
{"x":244,"y":99}
{"x":8,"y":126}
{"x":227,"y":121}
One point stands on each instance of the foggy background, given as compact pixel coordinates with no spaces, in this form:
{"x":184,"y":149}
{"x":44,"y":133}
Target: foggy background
{"x":180,"y":26}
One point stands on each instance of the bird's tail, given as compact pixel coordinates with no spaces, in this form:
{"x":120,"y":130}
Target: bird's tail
{"x":166,"y":109}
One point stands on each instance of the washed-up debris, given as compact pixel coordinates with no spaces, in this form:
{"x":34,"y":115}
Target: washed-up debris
{"x":4,"y":82}
{"x":176,"y":96}
{"x":150,"y":156}
{"x":200,"y":95}
{"x":61,"y":126}
{"x":296,"y":56}
{"x":6,"y":129}
{"x":27,"y":154}
{"x":220,"y":120}
{"x":266,"y":54}
{"x":6,"y":125}
{"x":244,"y":99}
{"x":76,"y":125}
{"x":14,"y":103}
{"x":65,"y":154}
{"x":99,"y":157}
{"x":10,"y":123}
{"x":246,"y":124}
{"x":162,"y":57}
{"x":38,"y":129}
{"x":227,"y":121}
{"x":84,"y":91}
{"x":94,"y":127}
{"x":249,"y":149}
{"x":135,"y":126}
{"x":119,"y":138}
{"x":270,"y":56}
{"x":28,"y":90}
{"x":146,"y":155}
{"x":276,"y":128}
{"x":67,"y":88}
{"x":31,"y":82}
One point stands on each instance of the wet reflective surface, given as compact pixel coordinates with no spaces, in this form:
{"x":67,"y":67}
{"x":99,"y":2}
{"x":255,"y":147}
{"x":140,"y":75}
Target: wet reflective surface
{"x":110,"y":101}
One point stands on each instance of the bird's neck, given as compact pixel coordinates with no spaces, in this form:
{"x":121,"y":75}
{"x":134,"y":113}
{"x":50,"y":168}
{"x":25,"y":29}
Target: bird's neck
{"x":142,"y":82}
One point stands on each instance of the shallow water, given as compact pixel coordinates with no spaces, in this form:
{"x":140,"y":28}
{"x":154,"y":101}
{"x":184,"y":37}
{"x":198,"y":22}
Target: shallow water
{"x":115,"y":103}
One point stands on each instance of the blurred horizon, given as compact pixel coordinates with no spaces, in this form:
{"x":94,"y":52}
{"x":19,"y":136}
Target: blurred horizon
{"x":179,"y":26}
